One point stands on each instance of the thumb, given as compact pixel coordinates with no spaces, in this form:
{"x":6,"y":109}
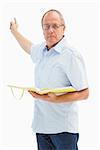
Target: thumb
{"x":51,"y":94}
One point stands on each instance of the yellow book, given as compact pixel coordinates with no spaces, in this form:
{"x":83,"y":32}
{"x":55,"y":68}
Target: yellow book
{"x":42,"y":90}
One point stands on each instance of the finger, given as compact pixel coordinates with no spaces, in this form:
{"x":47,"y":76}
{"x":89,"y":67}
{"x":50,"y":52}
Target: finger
{"x":10,"y":24}
{"x":32,"y":93}
{"x":51,"y":93}
{"x":15,"y":20}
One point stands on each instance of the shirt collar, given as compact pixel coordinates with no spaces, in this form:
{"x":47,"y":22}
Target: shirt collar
{"x":58,"y":47}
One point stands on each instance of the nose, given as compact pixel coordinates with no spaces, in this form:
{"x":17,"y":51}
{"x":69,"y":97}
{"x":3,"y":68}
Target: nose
{"x":51,"y":29}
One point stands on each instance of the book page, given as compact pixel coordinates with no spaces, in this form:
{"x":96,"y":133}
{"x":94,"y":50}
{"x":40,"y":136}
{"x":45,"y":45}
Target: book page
{"x":46,"y":90}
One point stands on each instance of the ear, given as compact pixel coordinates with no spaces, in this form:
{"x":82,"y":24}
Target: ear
{"x":64,"y":28}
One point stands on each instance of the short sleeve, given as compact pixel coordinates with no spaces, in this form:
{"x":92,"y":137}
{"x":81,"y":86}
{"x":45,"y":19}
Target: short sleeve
{"x":76,"y":72}
{"x":36,"y":52}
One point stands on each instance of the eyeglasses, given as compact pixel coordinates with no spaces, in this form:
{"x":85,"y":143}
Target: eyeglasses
{"x":53,"y":26}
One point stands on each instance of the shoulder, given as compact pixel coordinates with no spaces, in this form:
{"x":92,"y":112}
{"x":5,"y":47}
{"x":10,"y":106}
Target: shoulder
{"x":71,"y":52}
{"x":38,"y":46}
{"x":70,"y":57}
{"x":36,"y":52}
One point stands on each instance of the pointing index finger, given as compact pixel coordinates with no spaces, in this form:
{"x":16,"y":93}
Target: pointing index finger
{"x":15,"y":20}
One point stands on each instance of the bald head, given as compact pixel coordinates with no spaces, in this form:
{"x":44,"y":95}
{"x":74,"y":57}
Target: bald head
{"x":53,"y":11}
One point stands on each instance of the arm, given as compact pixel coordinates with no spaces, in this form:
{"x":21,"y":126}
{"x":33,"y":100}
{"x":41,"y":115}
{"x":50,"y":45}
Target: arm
{"x":24,"y":43}
{"x":69,"y":97}
{"x":74,"y":96}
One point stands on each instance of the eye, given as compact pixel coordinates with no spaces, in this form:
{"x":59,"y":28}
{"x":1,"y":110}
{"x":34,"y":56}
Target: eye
{"x":55,"y":26}
{"x":46,"y":26}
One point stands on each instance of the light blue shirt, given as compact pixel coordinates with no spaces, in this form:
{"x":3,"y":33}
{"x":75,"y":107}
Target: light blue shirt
{"x":61,"y":66}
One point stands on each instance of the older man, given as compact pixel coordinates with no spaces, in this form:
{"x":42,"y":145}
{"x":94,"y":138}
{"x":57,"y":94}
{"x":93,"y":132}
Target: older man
{"x":55,"y":119}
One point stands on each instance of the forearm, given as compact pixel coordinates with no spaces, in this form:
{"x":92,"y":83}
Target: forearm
{"x":24,"y":43}
{"x":74,"y":96}
{"x":69,"y":97}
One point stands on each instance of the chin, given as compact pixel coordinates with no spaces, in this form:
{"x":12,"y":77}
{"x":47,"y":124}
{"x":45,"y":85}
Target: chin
{"x":52,"y":41}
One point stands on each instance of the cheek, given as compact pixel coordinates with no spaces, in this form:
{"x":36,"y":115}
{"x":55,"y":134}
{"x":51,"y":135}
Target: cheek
{"x":60,"y":34}
{"x":45,"y":35}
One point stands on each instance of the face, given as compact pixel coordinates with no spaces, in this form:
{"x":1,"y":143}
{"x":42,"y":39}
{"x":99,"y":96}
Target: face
{"x":53,"y":28}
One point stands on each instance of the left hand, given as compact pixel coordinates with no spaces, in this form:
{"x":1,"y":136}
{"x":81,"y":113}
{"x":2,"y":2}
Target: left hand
{"x":51,"y":97}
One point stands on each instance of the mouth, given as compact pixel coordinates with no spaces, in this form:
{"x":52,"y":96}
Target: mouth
{"x":51,"y":36}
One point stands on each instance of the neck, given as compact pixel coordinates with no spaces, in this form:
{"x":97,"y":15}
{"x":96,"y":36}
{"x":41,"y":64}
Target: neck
{"x":49,"y":47}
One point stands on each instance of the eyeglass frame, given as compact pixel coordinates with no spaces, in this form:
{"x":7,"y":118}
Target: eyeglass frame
{"x":54,"y":26}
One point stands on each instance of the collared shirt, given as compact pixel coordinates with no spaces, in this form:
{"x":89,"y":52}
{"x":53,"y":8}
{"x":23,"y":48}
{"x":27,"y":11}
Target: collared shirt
{"x":61,"y":66}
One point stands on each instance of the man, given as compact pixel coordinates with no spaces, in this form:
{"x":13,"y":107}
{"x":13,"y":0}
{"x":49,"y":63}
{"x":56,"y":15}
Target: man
{"x":57,"y":65}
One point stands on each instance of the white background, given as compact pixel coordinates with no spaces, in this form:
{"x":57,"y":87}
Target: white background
{"x":82,"y":24}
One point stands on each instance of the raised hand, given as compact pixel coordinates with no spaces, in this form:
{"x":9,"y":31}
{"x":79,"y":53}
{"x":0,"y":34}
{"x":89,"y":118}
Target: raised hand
{"x":14,"y":25}
{"x":23,"y":42}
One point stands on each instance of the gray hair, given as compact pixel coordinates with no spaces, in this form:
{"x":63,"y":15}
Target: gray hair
{"x":54,"y":10}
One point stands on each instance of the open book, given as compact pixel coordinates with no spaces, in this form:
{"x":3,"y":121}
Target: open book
{"x":45,"y":90}
{"x":41,"y":91}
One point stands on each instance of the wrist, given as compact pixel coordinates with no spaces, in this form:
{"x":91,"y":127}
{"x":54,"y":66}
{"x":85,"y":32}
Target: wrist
{"x":14,"y":31}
